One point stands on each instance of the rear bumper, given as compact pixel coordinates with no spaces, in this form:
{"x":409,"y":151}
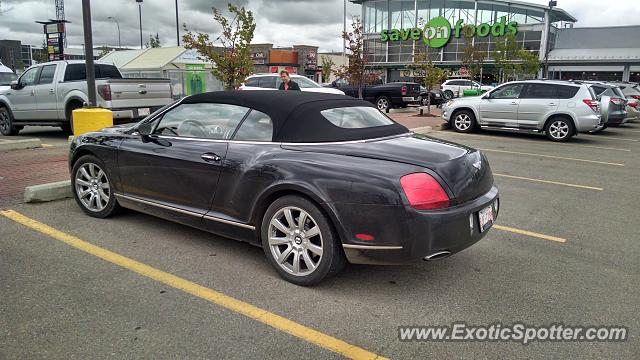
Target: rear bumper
{"x":132,"y":113}
{"x":406,"y":100}
{"x":407,"y":235}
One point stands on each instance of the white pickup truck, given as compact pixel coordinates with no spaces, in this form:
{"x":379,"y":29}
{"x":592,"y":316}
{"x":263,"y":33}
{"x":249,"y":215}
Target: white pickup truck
{"x":46,"y":94}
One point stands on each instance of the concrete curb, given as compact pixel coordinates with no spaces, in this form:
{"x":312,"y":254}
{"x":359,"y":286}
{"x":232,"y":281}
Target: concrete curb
{"x":422,"y":130}
{"x":48,"y":192}
{"x":21,"y":144}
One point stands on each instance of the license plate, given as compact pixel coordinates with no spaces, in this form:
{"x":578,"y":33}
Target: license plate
{"x":486,"y":218}
{"x":143,"y":111}
{"x":407,"y":98}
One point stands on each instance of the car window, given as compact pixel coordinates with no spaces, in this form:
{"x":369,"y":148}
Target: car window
{"x":253,"y":82}
{"x":47,"y":73}
{"x":631,"y":90}
{"x":268,"y":82}
{"x":467,"y":83}
{"x":29,"y":77}
{"x":104,"y":71}
{"x":511,"y":91}
{"x":205,"y":120}
{"x":598,"y":90}
{"x":566,"y":92}
{"x":539,"y":91}
{"x":78,"y":72}
{"x":356,"y":117}
{"x":305,"y":83}
{"x":7,"y":77}
{"x":256,"y":127}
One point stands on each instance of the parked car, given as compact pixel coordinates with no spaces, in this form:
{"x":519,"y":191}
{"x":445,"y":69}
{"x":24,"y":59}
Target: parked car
{"x":559,"y":109}
{"x":437,"y":96}
{"x":47,"y":94}
{"x":456,"y":87}
{"x":617,"y":107}
{"x":632,"y":93}
{"x":6,"y":77}
{"x":315,"y":179}
{"x":273,"y":81}
{"x":384,"y":96}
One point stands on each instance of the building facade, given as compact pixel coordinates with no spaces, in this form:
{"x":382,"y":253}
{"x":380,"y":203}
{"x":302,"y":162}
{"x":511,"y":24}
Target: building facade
{"x":298,"y":59}
{"x":396,"y":29}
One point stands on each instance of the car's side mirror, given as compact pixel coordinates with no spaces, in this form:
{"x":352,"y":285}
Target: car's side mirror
{"x":145,"y":130}
{"x":15,"y":85}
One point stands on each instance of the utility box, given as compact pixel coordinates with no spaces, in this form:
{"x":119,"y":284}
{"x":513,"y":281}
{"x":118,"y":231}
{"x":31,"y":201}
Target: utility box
{"x":91,"y":119}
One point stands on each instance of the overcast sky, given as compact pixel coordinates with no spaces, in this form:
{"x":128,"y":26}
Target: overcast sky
{"x":282,"y":22}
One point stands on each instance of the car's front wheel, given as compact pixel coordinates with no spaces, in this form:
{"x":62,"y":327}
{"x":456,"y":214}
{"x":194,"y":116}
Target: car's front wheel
{"x":299,"y":241}
{"x":559,"y":129}
{"x":463,"y":121}
{"x":6,"y":123}
{"x":92,"y":187}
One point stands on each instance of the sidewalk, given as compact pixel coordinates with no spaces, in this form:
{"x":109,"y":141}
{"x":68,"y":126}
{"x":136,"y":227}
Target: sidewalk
{"x":22,"y":168}
{"x":409,"y":118}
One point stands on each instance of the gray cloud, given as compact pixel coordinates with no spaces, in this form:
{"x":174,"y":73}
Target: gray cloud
{"x":282,"y":22}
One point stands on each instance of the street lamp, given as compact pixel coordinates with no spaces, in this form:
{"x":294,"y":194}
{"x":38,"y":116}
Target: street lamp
{"x":177,"y":25}
{"x":118,"y":25}
{"x":140,"y":16}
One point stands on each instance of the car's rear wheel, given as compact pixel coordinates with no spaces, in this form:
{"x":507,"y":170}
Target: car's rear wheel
{"x":92,"y":187}
{"x":559,"y":129}
{"x":383,"y":103}
{"x":448,"y":94}
{"x":6,"y":123}
{"x":300,"y":242}
{"x":463,"y":121}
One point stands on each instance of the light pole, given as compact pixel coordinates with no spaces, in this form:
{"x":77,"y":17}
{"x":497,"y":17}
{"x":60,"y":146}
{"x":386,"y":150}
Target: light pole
{"x":140,"y":16}
{"x":118,"y":25}
{"x":344,"y":30}
{"x":552,"y":3}
{"x":88,"y":52}
{"x":177,"y":26}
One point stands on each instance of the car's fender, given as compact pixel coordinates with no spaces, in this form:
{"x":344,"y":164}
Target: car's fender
{"x":5,"y":102}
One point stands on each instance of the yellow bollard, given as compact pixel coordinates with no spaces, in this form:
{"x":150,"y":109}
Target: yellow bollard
{"x":91,"y":119}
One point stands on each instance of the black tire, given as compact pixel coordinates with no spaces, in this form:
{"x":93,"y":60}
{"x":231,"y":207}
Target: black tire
{"x":463,"y":121}
{"x":383,"y":104}
{"x":332,"y":258}
{"x":68,"y":126}
{"x":559,"y":129}
{"x":7,"y":127}
{"x":448,"y":94}
{"x":111,"y":206}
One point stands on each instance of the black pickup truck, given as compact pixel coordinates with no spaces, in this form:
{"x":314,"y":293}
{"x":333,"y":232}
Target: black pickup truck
{"x":384,"y":96}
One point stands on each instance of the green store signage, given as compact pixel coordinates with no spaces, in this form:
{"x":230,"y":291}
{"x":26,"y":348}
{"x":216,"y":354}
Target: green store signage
{"x":437,"y":31}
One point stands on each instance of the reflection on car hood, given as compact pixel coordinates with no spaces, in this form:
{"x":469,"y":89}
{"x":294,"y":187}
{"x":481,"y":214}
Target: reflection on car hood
{"x":117,"y":129}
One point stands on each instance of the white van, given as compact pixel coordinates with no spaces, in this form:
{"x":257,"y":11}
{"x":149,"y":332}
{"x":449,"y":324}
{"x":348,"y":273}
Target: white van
{"x":6,"y":77}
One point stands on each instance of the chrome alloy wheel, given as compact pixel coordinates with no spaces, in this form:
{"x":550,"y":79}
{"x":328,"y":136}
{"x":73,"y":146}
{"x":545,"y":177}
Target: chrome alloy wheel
{"x":559,"y":129}
{"x":5,"y":124}
{"x":463,"y":122}
{"x":295,"y":241}
{"x":92,"y":187}
{"x":383,"y":104}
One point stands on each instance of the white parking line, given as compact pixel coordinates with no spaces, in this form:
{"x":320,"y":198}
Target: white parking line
{"x":548,"y":182}
{"x":553,"y":157}
{"x":616,"y":138}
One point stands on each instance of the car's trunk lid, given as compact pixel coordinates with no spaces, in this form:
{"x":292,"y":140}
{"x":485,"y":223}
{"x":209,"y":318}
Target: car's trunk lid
{"x":464,"y":171}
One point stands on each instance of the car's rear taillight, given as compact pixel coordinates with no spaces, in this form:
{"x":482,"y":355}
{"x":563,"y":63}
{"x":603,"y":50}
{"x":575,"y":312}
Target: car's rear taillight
{"x":633,"y":104}
{"x":593,"y":104}
{"x":424,"y":192}
{"x":637,"y":97}
{"x":404,"y":90}
{"x":618,"y":101}
{"x":105,"y":92}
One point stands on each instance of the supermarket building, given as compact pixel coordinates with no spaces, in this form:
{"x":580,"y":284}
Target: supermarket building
{"x":393,"y":28}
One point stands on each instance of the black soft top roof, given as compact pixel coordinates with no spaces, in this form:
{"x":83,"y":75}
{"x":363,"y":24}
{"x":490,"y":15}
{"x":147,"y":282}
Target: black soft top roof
{"x":296,"y":115}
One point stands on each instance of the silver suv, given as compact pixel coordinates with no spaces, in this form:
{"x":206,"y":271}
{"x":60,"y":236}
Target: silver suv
{"x":560,"y":109}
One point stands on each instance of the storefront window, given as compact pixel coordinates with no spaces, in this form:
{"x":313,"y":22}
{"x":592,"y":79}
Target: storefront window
{"x":402,"y":14}
{"x":376,"y":16}
{"x":592,"y":75}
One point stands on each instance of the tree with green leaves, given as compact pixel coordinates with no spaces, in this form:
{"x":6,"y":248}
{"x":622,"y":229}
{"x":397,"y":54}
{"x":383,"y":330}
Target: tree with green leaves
{"x":505,"y":56}
{"x":154,"y":42}
{"x":327,"y":68}
{"x":232,"y":62}
{"x":356,"y":71}
{"x":426,"y":72}
{"x":530,"y":64}
{"x":473,"y":57}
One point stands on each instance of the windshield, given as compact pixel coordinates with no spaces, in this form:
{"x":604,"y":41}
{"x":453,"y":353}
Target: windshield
{"x":7,"y":78}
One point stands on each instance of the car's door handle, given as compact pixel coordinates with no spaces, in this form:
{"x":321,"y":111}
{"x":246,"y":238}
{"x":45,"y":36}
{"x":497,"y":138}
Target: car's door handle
{"x":33,"y":93}
{"x":514,"y":103}
{"x":51,"y":91}
{"x":552,"y":104}
{"x":210,"y":157}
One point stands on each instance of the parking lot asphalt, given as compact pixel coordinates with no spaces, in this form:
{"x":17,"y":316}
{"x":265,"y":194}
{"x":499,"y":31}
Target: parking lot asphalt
{"x":61,"y":302}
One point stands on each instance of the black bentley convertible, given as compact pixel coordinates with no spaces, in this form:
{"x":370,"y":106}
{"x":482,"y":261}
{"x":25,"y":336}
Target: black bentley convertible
{"x":315,"y":179}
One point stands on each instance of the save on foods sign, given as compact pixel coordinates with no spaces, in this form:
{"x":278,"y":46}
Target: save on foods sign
{"x":438,"y":31}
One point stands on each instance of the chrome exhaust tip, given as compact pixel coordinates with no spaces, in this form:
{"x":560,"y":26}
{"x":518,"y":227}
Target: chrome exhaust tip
{"x":437,"y":256}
